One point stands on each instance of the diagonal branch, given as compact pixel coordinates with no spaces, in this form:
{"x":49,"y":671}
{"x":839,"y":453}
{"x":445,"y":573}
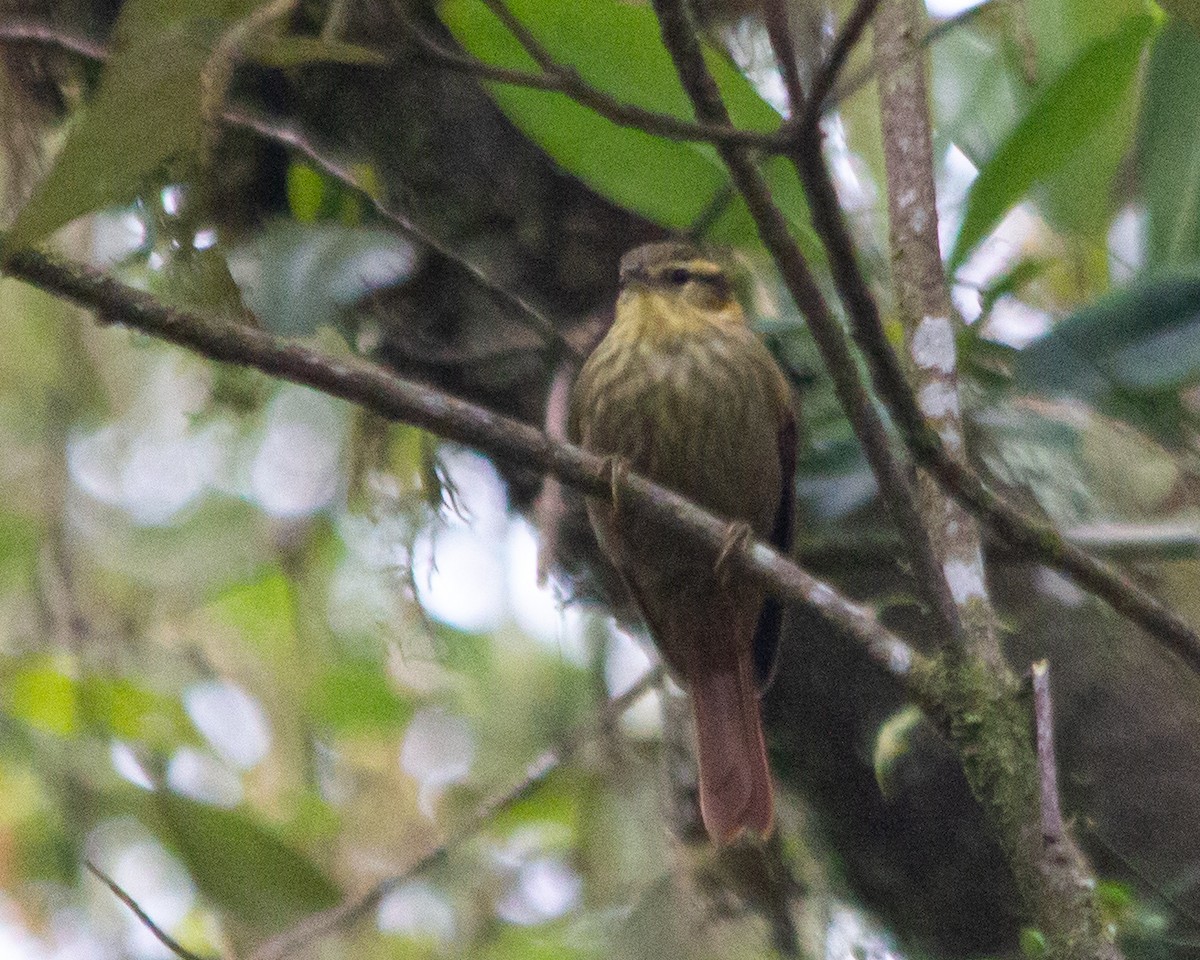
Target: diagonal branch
{"x":44,"y":33}
{"x":894,"y":477}
{"x":558,"y":77}
{"x":325,"y":922}
{"x":376,"y":388}
{"x":1031,"y":537}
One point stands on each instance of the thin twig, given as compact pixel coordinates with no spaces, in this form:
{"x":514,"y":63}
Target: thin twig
{"x":1132,"y":542}
{"x":855,"y":82}
{"x":322,"y":924}
{"x":381,"y":390}
{"x":560,"y":78}
{"x":160,"y":934}
{"x":288,"y":135}
{"x":20,"y":29}
{"x":1053,"y":830}
{"x":831,"y":69}
{"x":775,"y":13}
{"x":524,"y":35}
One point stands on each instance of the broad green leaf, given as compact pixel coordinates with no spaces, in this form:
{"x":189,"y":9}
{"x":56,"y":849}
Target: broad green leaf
{"x":146,"y":113}
{"x":978,"y":91}
{"x":1143,"y":338}
{"x":1077,"y":199}
{"x":616,"y":47}
{"x":1056,"y":125}
{"x":353,"y":697}
{"x":1061,"y":30}
{"x":1169,"y":148}
{"x":242,"y":866}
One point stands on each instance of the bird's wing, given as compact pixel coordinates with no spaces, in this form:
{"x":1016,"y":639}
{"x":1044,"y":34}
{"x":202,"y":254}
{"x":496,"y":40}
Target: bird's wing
{"x":770,"y":620}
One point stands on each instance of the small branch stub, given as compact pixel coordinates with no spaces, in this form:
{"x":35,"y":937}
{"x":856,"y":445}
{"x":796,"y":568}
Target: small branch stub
{"x":1043,"y":712}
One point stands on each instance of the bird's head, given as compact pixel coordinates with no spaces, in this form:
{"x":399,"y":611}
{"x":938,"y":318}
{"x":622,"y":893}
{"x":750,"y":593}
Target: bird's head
{"x":676,"y":284}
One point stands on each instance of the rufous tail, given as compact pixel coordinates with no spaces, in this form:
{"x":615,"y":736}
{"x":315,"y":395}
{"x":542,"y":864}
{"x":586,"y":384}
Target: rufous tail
{"x":735,"y":781}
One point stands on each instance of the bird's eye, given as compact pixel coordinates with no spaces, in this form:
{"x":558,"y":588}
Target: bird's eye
{"x":679,"y":276}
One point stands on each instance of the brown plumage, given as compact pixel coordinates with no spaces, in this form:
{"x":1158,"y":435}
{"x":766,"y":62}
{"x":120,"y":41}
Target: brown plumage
{"x":682,"y":391}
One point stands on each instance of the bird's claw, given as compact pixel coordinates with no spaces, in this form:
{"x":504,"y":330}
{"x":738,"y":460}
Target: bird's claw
{"x":737,"y":536}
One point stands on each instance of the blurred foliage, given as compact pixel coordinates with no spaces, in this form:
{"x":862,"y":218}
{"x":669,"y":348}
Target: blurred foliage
{"x":1061,"y":121}
{"x":259,"y":651}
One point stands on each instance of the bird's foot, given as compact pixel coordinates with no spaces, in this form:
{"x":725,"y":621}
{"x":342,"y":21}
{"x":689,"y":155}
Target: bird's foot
{"x":616,"y":468}
{"x":737,"y":536}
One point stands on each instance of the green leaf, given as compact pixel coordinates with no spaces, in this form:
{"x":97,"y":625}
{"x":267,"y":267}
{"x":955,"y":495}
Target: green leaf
{"x":146,"y":113}
{"x":41,"y":692}
{"x":616,"y":47}
{"x":307,"y":192}
{"x":1033,"y":943}
{"x":1010,"y":282}
{"x":1143,"y":338}
{"x":893,"y":742}
{"x":1169,"y":148}
{"x":978,"y":90}
{"x":355,"y":696}
{"x":242,"y":866}
{"x":1063,"y":29}
{"x":1062,"y":118}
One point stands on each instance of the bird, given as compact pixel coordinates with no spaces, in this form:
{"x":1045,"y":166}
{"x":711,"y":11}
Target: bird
{"x":681,"y":391}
